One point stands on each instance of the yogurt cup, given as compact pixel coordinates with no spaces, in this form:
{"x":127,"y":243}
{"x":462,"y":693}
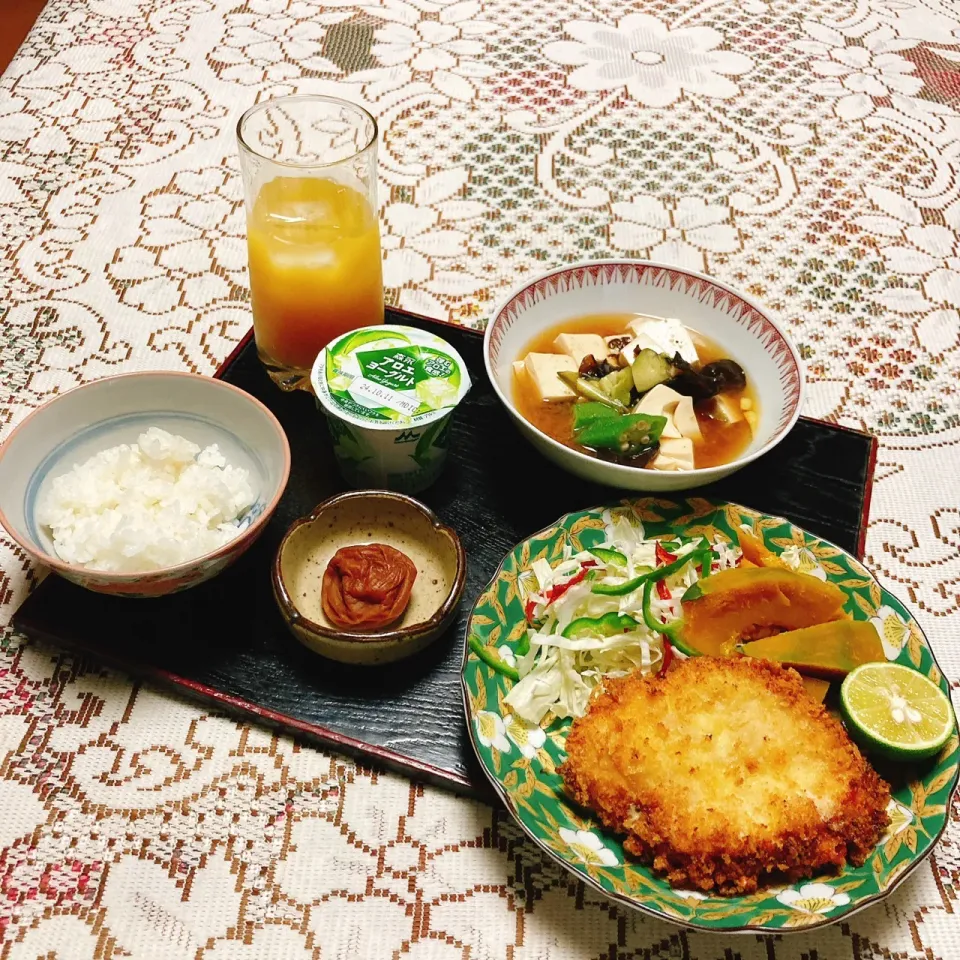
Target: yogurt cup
{"x":389,"y":393}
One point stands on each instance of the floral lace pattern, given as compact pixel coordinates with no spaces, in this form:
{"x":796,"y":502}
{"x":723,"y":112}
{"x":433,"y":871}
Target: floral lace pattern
{"x":803,"y":152}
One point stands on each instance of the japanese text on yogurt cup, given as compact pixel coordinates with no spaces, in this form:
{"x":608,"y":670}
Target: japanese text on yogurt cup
{"x":388,"y":393}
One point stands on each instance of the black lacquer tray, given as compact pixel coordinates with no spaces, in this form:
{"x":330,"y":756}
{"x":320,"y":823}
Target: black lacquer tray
{"x":225,"y":643}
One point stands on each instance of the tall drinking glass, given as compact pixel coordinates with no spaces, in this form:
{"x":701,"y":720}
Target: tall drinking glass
{"x":309,"y":167}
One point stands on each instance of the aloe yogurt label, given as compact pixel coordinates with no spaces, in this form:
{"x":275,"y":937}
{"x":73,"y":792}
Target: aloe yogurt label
{"x":392,"y":374}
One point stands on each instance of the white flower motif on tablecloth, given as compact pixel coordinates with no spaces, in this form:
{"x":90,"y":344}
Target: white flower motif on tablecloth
{"x":934,"y":255}
{"x":66,"y":929}
{"x":69,"y":122}
{"x":446,"y":48}
{"x":274,"y":40}
{"x":588,"y":847}
{"x":926,"y":253}
{"x":939,"y":118}
{"x":16,"y":124}
{"x":491,"y":731}
{"x":681,"y":234}
{"x":915,"y":19}
{"x":346,"y":861}
{"x":424,"y":247}
{"x":413,"y":239}
{"x":893,"y":631}
{"x":191,"y":250}
{"x":813,"y":898}
{"x":529,"y":738}
{"x":654,"y":63}
{"x":146,"y":906}
{"x":854,"y":75}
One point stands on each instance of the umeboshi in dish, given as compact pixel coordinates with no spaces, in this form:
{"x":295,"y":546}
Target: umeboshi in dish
{"x":366,"y":587}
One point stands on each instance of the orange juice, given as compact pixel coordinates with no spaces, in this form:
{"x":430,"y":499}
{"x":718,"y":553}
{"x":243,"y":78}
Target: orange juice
{"x":315,"y":269}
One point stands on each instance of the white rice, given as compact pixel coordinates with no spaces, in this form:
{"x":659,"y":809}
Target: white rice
{"x":156,"y":503}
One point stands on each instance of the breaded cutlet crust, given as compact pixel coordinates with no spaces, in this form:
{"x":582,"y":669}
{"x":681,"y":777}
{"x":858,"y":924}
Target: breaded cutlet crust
{"x":723,"y":774}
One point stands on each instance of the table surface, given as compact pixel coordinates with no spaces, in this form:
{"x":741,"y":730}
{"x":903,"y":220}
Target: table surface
{"x":802,"y":151}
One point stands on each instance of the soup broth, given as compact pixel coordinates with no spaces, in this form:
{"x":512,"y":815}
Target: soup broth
{"x":722,"y":442}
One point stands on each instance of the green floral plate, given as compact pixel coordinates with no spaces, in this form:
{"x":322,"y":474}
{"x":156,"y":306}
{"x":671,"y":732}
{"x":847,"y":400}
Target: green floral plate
{"x":521,"y":761}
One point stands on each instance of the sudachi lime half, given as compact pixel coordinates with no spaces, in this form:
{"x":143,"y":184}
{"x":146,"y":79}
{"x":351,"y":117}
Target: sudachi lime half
{"x":895,"y":711}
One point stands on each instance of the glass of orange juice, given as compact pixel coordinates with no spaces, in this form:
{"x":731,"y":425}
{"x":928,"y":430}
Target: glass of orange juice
{"x":309,"y":166}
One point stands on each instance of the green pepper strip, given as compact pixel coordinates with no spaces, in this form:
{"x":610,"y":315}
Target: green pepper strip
{"x":605,"y":626}
{"x":667,"y":629}
{"x":622,"y":589}
{"x":609,"y":556}
{"x":491,"y":659}
{"x":523,"y":645}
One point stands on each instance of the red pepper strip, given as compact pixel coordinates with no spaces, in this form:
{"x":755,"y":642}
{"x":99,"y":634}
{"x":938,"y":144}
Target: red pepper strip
{"x":554,"y":593}
{"x":663,"y":591}
{"x":667,"y":655}
{"x":663,"y":556}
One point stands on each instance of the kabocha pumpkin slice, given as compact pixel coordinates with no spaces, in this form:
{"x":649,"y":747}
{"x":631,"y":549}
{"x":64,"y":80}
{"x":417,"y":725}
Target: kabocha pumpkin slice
{"x":828,"y":650}
{"x":755,"y":551}
{"x":733,"y":605}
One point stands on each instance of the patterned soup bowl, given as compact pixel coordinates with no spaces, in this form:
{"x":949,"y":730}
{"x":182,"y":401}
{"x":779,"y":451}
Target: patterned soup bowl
{"x":78,"y":424}
{"x":729,"y":318}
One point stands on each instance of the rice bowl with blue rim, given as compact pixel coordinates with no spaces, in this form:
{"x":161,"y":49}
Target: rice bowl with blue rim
{"x":100,"y":415}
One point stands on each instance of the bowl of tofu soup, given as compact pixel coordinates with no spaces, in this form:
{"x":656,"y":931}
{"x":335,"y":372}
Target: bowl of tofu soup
{"x":643,"y":376}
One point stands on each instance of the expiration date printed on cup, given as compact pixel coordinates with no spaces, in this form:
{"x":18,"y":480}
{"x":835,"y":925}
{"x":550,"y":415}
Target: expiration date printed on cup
{"x":380,"y":396}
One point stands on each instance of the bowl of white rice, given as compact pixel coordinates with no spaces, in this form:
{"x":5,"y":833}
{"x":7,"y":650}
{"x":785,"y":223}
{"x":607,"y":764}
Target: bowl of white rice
{"x":143,"y":484}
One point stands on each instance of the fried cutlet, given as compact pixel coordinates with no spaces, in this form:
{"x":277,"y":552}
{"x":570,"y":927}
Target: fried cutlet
{"x":724,"y":774}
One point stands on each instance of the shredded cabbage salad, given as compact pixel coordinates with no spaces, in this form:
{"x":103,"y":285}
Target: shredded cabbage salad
{"x":587,"y":618}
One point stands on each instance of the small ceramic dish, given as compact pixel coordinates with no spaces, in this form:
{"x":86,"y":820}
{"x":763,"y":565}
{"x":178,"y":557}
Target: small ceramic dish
{"x":360,"y":517}
{"x":80,"y":423}
{"x":729,"y":317}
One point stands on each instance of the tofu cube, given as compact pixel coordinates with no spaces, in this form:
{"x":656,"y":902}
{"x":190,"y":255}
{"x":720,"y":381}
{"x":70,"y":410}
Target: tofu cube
{"x":580,"y":345}
{"x":685,"y":417}
{"x":674,"y":455}
{"x":518,"y":368}
{"x":661,"y":401}
{"x":636,"y":324}
{"x":669,"y":335}
{"x":542,"y":369}
{"x":670,"y":430}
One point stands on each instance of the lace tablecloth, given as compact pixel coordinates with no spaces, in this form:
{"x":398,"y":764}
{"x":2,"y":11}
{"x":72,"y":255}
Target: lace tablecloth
{"x":803,"y":151}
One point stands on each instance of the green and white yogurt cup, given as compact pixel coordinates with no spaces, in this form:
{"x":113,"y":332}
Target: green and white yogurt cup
{"x":389,"y":393}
